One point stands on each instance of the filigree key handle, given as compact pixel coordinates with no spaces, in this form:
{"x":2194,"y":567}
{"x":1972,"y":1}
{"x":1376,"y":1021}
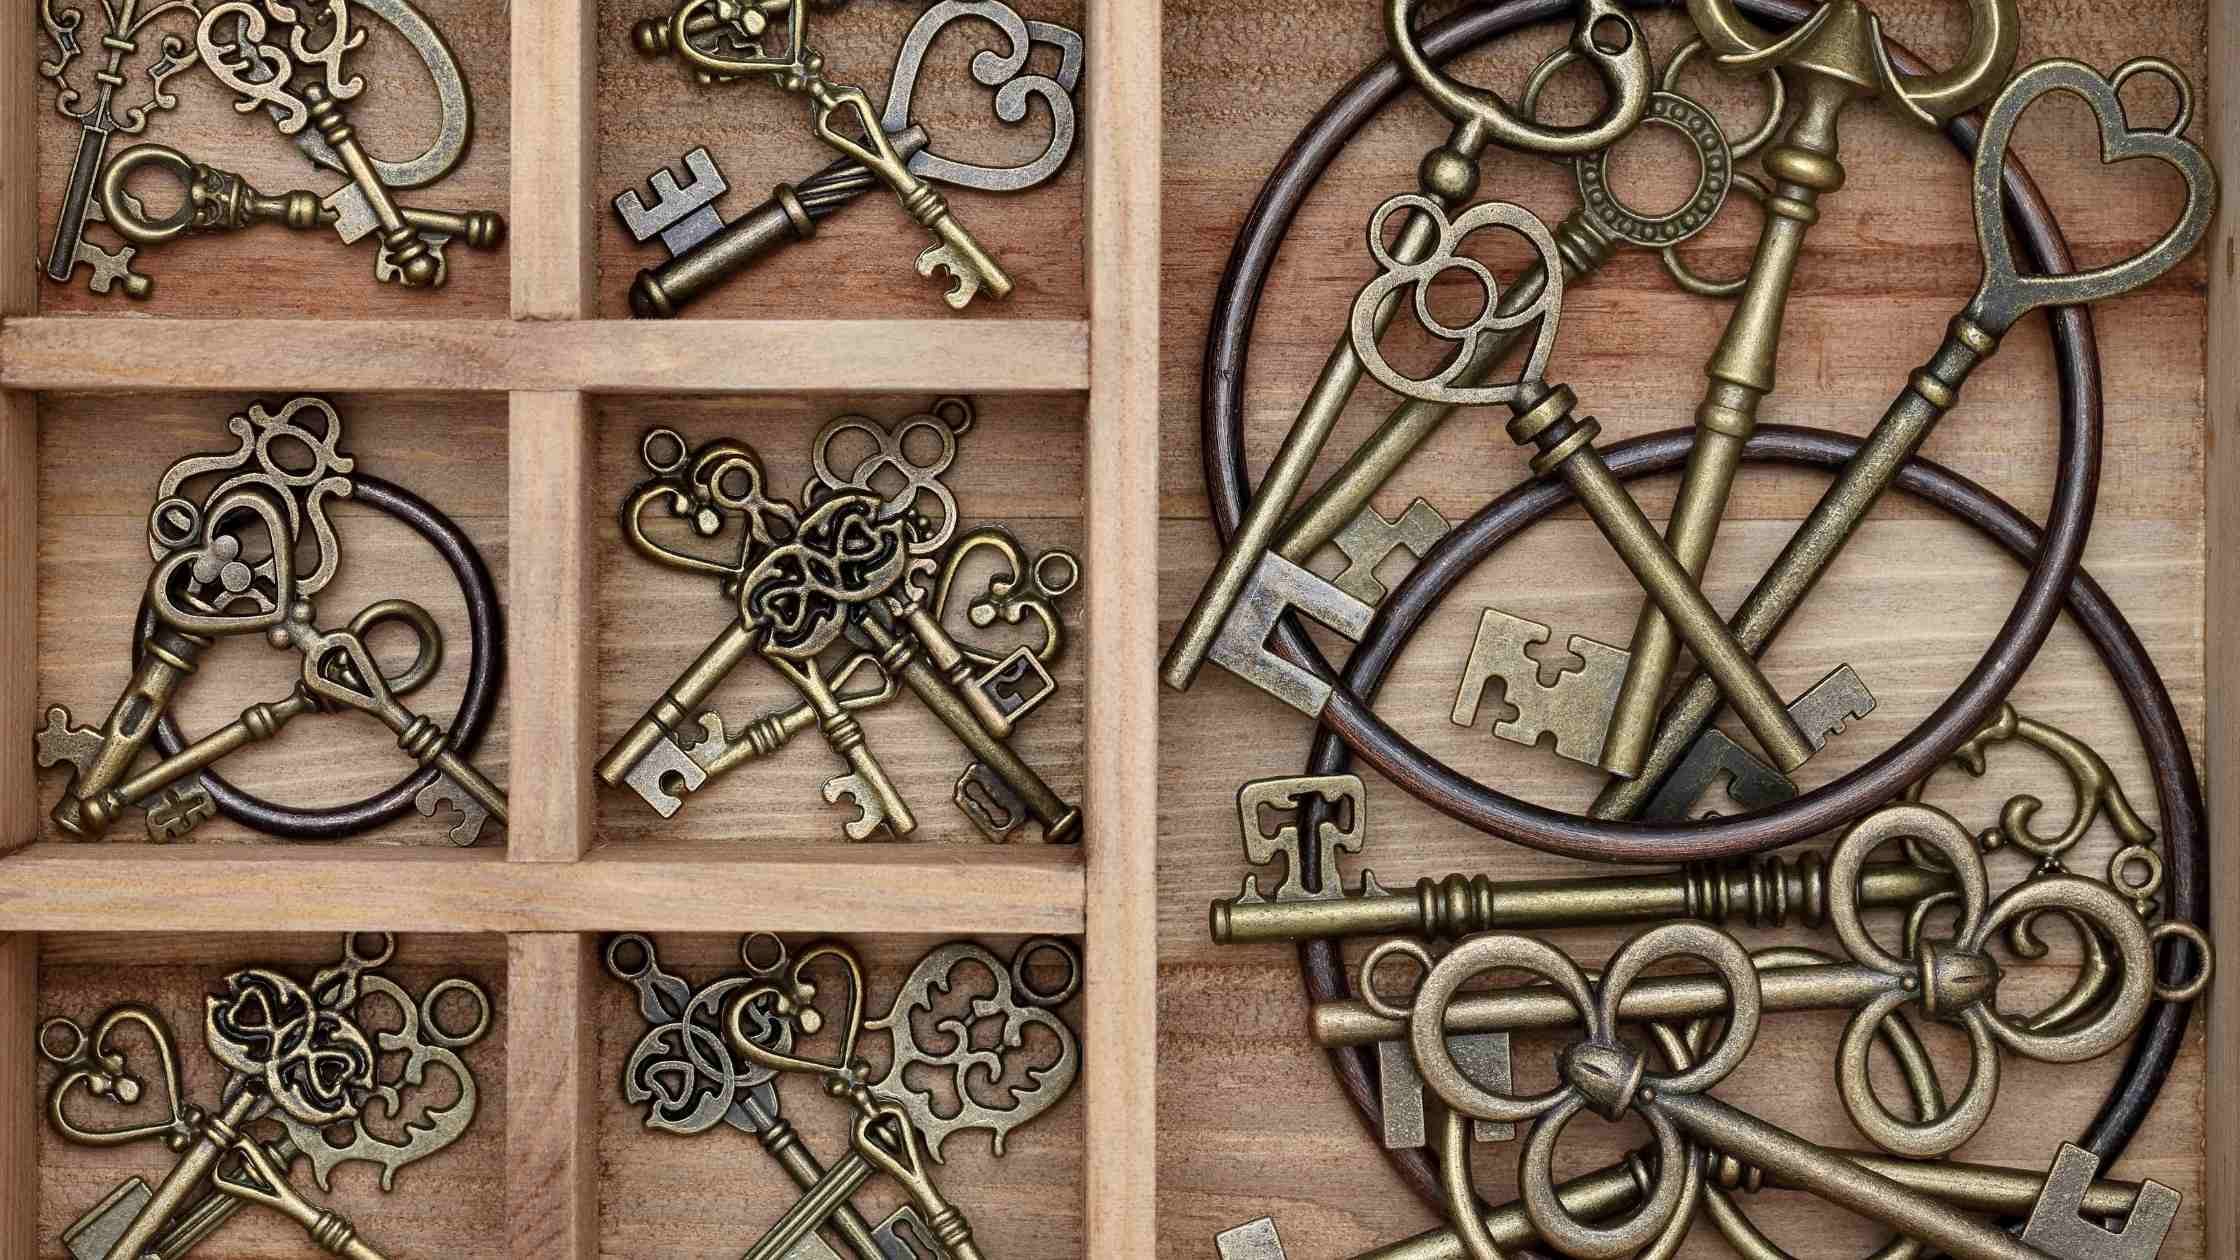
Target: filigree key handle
{"x":127,"y":23}
{"x":1835,"y":57}
{"x":265,"y":74}
{"x":730,"y":39}
{"x":1543,"y":417}
{"x":294,"y":458}
{"x":1609,"y":41}
{"x":887,"y":1136}
{"x":1603,"y":1073}
{"x":2001,"y":300}
{"x":1953,"y":979}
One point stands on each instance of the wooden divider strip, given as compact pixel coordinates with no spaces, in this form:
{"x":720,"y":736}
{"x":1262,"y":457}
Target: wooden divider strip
{"x":2221,"y":649}
{"x":551,"y":637}
{"x":552,"y":1046}
{"x":553,"y":241}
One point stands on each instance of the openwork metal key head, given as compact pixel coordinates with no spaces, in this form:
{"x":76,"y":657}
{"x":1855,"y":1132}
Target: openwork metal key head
{"x":681,"y":1069}
{"x":1843,"y":41}
{"x":1016,"y":87}
{"x":1444,"y":256}
{"x":94,"y":1066}
{"x":1602,"y":35}
{"x":712,"y":488}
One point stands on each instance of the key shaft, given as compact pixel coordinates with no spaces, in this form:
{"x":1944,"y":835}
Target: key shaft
{"x":680,"y":702}
{"x":169,"y":655}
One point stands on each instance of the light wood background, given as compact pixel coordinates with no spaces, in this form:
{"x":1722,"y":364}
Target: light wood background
{"x":1251,"y":1119}
{"x":515,"y":426}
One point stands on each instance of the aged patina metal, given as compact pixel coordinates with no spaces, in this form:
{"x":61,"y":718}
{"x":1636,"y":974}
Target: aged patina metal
{"x":211,"y":199}
{"x":1838,"y":57}
{"x":1448,"y":176}
{"x":224,"y":1168}
{"x":2003,"y":298}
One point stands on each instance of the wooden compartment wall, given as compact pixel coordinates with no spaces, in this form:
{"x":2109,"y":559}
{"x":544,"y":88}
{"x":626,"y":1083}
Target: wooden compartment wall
{"x":1911,"y":604}
{"x":522,"y":367}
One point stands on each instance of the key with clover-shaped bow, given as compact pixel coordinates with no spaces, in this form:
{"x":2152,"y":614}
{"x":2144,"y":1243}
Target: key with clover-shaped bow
{"x":731,"y":39}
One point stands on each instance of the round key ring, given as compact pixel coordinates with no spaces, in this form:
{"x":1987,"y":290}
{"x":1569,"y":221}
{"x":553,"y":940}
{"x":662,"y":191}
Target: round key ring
{"x":485,"y":671}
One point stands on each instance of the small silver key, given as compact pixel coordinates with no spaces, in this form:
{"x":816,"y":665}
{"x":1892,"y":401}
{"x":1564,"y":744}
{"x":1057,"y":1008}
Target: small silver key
{"x":682,"y":215}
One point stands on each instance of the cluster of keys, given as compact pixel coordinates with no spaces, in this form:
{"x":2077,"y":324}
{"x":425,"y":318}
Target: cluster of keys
{"x":848,"y":595}
{"x":286,"y":59}
{"x":712,"y":1055}
{"x":242,"y":541}
{"x":724,"y":41}
{"x":312,"y":1068}
{"x":1642,"y":1040}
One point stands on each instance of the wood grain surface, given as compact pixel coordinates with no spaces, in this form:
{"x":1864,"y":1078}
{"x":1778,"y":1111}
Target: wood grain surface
{"x":93,"y":565}
{"x":452,"y":1204}
{"x":862,"y":261}
{"x":267,"y":269}
{"x":1019,"y":467}
{"x":1251,"y":1118}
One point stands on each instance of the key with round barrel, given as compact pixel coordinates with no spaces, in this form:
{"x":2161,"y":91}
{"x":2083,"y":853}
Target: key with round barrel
{"x":1835,"y":58}
{"x":1976,"y":334}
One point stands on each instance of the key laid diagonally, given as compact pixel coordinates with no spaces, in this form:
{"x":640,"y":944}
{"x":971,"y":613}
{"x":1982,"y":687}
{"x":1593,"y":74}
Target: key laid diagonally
{"x":1835,"y":58}
{"x":126,"y":28}
{"x":1976,"y":334}
{"x":704,"y":250}
{"x":1449,"y":175}
{"x":234,"y":45}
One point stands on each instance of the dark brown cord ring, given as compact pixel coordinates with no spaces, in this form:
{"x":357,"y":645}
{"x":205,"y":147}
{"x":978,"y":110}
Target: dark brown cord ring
{"x":1835,"y":805}
{"x":485,"y":671}
{"x":2054,"y":571}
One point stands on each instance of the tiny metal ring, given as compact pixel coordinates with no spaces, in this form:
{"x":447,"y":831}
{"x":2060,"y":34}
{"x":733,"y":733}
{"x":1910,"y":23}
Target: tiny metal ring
{"x":1775,"y":108}
{"x":1023,"y":985}
{"x":2193,"y":935}
{"x":2124,"y":860}
{"x":1374,"y":999}
{"x":375,"y":957}
{"x":755,"y":967}
{"x":616,"y":944}
{"x":1065,"y":561}
{"x":1686,"y":277}
{"x":957,"y":413}
{"x":666,"y":437}
{"x":435,"y":1031}
{"x":2169,"y":74}
{"x":186,"y":534}
{"x":117,"y":204}
{"x":78,"y":1043}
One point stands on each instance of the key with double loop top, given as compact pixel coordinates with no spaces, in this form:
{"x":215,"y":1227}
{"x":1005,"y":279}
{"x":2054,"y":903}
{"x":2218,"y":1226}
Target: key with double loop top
{"x":1952,"y":979}
{"x":1837,"y":57}
{"x":2002,"y":298}
{"x":1609,"y":41}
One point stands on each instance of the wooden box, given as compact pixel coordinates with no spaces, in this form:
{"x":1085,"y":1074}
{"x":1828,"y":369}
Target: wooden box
{"x":513,"y":399}
{"x":1252,"y":1118}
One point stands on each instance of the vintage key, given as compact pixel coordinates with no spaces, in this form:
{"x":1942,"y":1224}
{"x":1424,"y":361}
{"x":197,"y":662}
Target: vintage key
{"x":260,"y":722}
{"x":1543,"y":417}
{"x":1606,"y":1192}
{"x":1837,"y":58}
{"x":683,"y":1059}
{"x":1448,"y":176}
{"x":1765,"y":892}
{"x":126,"y":27}
{"x":1603,"y":1073}
{"x":262,"y":74}
{"x":842,"y":117}
{"x":1594,"y":233}
{"x":217,"y":200}
{"x":2001,"y":300}
{"x":1955,"y":980}
{"x":712,"y":251}
{"x":253,"y":1178}
{"x":798,"y":601}
{"x":1575,"y":710}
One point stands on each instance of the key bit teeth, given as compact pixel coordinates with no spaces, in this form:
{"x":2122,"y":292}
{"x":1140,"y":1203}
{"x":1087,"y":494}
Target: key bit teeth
{"x":470,"y":811}
{"x":870,"y":816}
{"x":964,"y":281}
{"x":59,"y":741}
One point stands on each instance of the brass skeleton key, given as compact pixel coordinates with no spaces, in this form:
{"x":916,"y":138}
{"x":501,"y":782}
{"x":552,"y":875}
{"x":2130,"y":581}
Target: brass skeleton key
{"x":254,"y":1178}
{"x":1838,"y":57}
{"x":218,"y":200}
